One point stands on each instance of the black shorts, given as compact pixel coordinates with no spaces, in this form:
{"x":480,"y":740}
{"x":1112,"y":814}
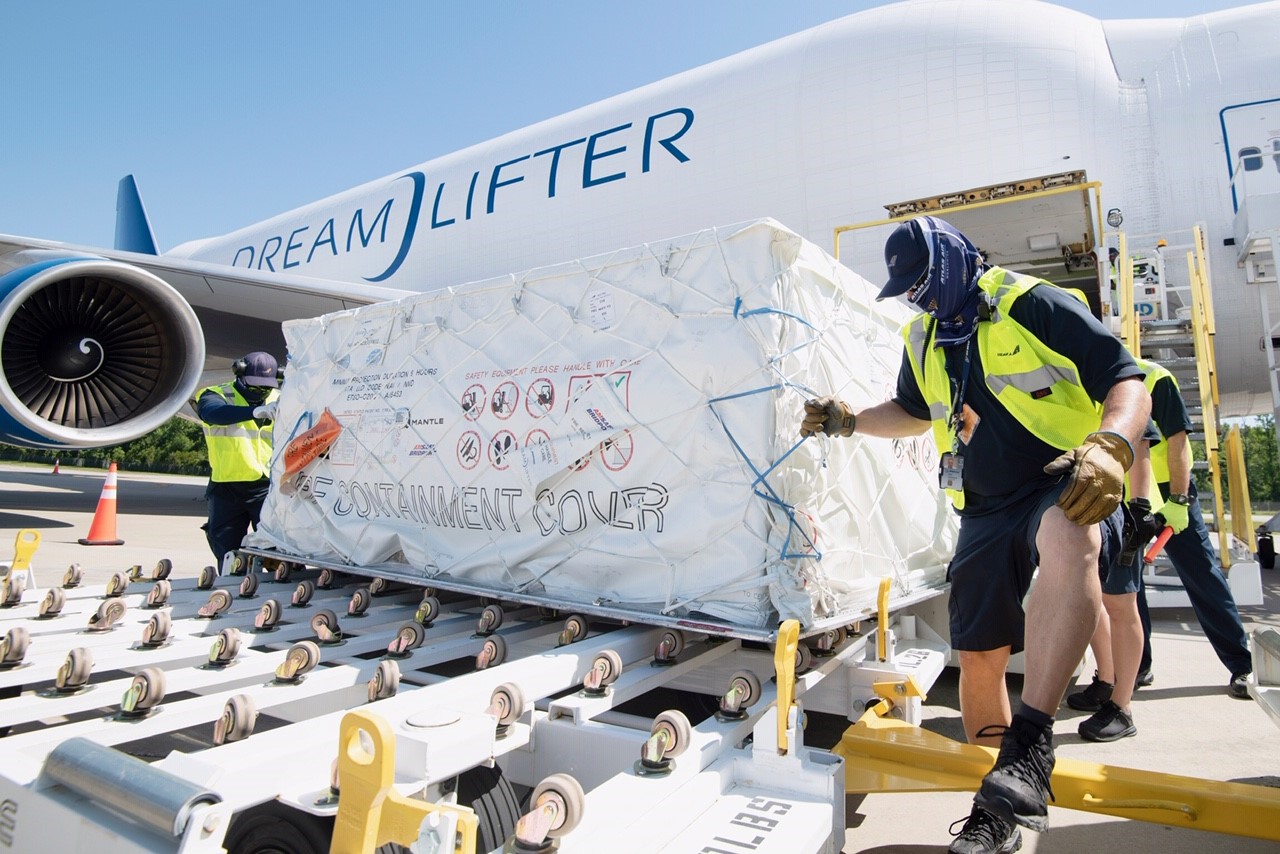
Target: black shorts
{"x":1119,"y":578}
{"x":992,"y":568}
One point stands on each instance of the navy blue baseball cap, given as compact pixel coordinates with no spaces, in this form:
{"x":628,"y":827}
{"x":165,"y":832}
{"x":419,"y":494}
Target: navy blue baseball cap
{"x":906,"y":254}
{"x":260,"y":370}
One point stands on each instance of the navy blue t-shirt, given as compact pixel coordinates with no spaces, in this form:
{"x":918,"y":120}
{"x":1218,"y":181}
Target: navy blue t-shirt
{"x":1168,"y":409}
{"x":1003,"y":460}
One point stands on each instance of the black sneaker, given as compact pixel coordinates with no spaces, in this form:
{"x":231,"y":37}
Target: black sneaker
{"x":1143,"y":679}
{"x":1109,"y":723}
{"x":1017,"y":788}
{"x":1239,"y":686}
{"x":1092,"y":697}
{"x":984,"y":833}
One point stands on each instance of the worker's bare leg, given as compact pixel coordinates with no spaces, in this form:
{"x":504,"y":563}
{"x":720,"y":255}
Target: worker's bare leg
{"x":1126,"y":644}
{"x":1063,"y":610}
{"x":1101,"y":646}
{"x":984,"y":698}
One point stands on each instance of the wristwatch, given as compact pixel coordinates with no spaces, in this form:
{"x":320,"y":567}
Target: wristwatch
{"x":1179,"y":499}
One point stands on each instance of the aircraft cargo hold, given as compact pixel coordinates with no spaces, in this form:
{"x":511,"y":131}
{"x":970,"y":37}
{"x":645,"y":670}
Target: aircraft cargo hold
{"x":620,"y":431}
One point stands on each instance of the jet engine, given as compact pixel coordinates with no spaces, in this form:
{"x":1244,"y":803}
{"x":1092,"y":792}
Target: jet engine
{"x":92,"y":352}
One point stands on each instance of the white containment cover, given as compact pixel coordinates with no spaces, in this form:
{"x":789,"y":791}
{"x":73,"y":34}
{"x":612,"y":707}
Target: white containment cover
{"x":619,"y":431}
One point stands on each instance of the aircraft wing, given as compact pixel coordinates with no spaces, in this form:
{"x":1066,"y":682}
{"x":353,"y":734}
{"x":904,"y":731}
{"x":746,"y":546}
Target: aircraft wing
{"x":100,"y":346}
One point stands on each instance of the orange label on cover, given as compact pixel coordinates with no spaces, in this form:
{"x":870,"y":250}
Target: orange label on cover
{"x":305,"y":447}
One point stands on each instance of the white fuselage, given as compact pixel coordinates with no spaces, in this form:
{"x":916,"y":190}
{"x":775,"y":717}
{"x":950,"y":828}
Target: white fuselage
{"x":825,"y":128}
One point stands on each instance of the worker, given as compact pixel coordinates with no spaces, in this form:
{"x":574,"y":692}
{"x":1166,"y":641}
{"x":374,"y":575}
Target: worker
{"x":1034,"y":407}
{"x":237,"y":420}
{"x":1117,"y":641}
{"x":1189,"y":549}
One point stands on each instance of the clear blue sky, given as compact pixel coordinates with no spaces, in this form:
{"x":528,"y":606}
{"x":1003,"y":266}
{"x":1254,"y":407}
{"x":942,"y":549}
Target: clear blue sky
{"x":232,"y":111}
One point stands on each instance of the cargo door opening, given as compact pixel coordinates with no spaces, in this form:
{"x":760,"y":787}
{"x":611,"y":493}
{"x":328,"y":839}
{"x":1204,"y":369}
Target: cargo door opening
{"x":1047,"y":226}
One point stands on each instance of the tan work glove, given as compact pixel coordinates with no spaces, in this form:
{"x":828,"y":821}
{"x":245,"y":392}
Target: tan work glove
{"x":1095,"y":477}
{"x":827,"y":415}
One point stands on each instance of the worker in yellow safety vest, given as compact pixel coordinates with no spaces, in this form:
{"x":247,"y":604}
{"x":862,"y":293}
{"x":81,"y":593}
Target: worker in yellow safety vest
{"x":237,"y":420}
{"x":1035,"y":408}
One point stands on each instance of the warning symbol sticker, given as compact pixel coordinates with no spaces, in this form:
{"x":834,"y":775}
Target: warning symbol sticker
{"x":505,"y":398}
{"x":502,"y":447}
{"x":616,"y":452}
{"x":469,"y":449}
{"x":540,"y":397}
{"x":473,"y":402}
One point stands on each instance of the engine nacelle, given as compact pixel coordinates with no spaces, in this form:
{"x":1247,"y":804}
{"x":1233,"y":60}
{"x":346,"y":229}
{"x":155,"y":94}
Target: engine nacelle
{"x":92,"y":352}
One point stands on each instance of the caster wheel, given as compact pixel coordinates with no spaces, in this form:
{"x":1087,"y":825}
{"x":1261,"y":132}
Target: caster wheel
{"x":14,"y":646}
{"x":575,"y":629}
{"x":117,"y":584}
{"x":53,"y":602}
{"x":566,"y":795}
{"x":506,"y":704}
{"x":144,"y":693}
{"x":107,"y":615}
{"x":158,"y":595}
{"x":490,"y":619}
{"x":75,"y":671}
{"x":208,"y":575}
{"x":238,"y":718}
{"x":492,"y":653}
{"x":162,"y":569}
{"x":301,"y":659}
{"x":302,"y":594}
{"x":226,"y":646}
{"x":157,"y":629}
{"x":325,"y":625}
{"x":219,"y":602}
{"x":72,"y":577}
{"x":428,"y":610}
{"x":268,"y":616}
{"x":360,"y":601}
{"x":408,"y":638}
{"x":385,"y":681}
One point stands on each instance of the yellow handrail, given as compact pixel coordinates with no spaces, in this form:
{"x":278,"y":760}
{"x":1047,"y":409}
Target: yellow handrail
{"x":1238,"y":490}
{"x":1201,"y":330}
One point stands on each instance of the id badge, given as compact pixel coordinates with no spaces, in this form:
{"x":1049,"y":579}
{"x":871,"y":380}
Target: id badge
{"x":951,"y":471}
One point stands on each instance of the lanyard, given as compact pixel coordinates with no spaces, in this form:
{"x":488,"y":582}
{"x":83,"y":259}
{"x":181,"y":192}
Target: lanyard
{"x":957,"y":405}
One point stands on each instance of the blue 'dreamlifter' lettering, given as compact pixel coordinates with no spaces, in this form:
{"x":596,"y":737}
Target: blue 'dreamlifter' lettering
{"x":451,"y":205}
{"x":554,"y":151}
{"x":494,"y":183}
{"x":592,"y":156}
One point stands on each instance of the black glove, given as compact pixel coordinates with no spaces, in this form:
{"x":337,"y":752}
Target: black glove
{"x":1146,"y":523}
{"x":1140,"y":525}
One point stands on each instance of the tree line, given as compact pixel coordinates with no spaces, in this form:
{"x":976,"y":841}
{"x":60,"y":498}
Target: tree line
{"x":177,"y":447}
{"x":1261,"y":461}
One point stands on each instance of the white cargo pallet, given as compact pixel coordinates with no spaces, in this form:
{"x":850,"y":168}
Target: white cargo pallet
{"x":730,"y":788}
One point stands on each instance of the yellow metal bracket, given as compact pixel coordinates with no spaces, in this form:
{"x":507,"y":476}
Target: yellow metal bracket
{"x":24,"y":546}
{"x":371,"y":812}
{"x":882,"y":615}
{"x":893,"y":693}
{"x":784,"y":665}
{"x":887,"y":755}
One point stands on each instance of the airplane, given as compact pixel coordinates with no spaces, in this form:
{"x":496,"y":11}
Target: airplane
{"x":923,"y":105}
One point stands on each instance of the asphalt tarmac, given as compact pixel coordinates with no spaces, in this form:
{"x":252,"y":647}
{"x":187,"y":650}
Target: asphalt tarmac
{"x":1187,"y":725}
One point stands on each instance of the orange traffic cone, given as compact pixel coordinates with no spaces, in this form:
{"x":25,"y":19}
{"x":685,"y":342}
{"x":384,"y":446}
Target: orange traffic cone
{"x":55,"y":465}
{"x":103,"y":530}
